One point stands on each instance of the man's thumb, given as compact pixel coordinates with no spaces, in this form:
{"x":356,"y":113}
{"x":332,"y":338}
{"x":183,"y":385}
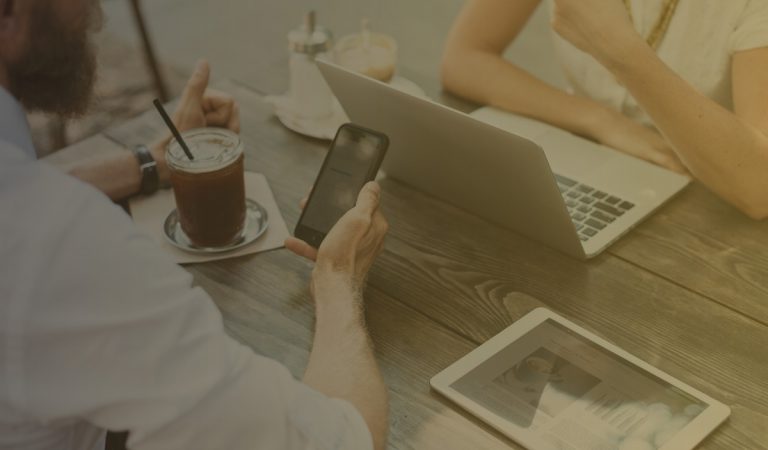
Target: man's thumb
{"x":368,"y":199}
{"x":198,"y":82}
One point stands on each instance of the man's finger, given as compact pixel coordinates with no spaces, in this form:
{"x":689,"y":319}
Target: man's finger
{"x":368,"y":199}
{"x":226,"y":116}
{"x":380,"y":223}
{"x":219,"y":117}
{"x":213,"y":99}
{"x":234,"y":119}
{"x":303,"y":201}
{"x":198,"y":82}
{"x":301,"y":248}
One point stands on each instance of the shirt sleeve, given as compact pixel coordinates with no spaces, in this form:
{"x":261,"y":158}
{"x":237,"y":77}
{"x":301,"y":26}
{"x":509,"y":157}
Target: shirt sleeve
{"x":113,"y":333}
{"x":751,"y":31}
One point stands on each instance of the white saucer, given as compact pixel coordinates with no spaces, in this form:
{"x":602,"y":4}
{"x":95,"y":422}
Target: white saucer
{"x":256,"y":223}
{"x":325,"y":127}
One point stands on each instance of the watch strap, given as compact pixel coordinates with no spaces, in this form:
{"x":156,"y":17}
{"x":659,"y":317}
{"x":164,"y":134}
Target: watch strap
{"x":150,"y":178}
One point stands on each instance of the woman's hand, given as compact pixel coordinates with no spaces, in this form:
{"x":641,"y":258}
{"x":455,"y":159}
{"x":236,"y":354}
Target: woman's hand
{"x":621,"y":133}
{"x":598,"y":27}
{"x":603,"y":29}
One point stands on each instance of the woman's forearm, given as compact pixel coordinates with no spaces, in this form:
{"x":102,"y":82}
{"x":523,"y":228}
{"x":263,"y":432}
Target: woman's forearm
{"x":724,"y":151}
{"x":487,"y":78}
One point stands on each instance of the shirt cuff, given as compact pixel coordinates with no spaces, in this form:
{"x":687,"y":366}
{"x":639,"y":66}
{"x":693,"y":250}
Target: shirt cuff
{"x":330,"y":424}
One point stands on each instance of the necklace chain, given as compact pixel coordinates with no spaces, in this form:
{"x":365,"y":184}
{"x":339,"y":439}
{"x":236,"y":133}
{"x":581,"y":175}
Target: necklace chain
{"x":662,"y":25}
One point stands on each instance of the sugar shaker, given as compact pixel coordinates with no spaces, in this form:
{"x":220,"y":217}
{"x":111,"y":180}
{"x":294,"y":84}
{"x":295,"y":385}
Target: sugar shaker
{"x":310,"y":94}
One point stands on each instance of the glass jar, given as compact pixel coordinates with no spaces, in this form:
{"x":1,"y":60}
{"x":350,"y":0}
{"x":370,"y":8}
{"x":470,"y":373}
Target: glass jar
{"x":209,"y":189}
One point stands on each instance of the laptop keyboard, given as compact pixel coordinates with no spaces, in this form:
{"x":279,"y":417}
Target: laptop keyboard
{"x":591,"y":210}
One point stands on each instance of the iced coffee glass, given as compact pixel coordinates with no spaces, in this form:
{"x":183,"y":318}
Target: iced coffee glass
{"x":210,"y":189}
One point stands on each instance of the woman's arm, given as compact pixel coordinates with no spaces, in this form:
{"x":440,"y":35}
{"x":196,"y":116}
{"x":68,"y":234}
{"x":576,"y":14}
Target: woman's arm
{"x":474,"y":68}
{"x":727,"y":151}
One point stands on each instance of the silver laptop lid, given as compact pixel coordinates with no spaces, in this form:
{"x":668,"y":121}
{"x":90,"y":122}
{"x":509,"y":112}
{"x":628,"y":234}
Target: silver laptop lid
{"x":482,"y":169}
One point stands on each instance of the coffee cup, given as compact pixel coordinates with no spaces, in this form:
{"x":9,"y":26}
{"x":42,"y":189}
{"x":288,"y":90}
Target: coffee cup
{"x":209,"y":189}
{"x":368,"y":53}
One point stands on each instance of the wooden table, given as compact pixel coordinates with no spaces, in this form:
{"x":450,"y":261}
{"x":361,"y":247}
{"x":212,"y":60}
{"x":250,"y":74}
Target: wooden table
{"x":687,"y":291}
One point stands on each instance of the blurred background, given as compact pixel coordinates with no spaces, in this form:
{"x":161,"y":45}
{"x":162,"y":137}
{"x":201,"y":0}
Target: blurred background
{"x":246,"y":40}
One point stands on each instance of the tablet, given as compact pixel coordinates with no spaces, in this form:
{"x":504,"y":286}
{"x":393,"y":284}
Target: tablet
{"x":549,"y":384}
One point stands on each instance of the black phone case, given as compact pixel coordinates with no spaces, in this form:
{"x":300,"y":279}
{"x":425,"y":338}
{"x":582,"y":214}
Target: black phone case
{"x":315,"y":237}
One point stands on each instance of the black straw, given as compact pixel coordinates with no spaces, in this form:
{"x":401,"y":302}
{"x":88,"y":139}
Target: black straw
{"x":173,"y":129}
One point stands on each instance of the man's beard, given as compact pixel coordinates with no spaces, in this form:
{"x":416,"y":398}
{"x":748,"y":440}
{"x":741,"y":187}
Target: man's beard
{"x":57,"y":72}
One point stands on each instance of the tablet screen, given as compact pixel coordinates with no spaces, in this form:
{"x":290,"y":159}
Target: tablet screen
{"x":573,"y":394}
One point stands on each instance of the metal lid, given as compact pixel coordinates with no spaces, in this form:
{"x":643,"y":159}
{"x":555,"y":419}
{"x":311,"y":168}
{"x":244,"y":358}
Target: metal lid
{"x":310,"y":38}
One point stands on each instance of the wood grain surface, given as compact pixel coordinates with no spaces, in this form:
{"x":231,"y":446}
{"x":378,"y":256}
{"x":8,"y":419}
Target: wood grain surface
{"x":697,"y":240}
{"x":684,"y":292}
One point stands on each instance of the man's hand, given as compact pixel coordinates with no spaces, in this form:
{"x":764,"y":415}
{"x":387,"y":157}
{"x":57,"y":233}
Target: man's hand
{"x":199,"y":107}
{"x":598,"y":27}
{"x":350,"y":248}
{"x":342,"y":364}
{"x":623,"y":134}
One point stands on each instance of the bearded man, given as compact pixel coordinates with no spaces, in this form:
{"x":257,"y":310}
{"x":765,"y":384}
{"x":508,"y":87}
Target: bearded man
{"x":100,"y":331}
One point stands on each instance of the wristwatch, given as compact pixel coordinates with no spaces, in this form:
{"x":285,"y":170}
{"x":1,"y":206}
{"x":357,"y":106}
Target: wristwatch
{"x":150,"y":179}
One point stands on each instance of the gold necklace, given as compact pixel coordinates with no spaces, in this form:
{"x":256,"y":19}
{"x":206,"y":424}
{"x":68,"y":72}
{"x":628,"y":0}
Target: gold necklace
{"x":662,"y":25}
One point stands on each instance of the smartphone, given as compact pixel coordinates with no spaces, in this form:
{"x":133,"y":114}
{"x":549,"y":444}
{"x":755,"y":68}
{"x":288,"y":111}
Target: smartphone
{"x":353,"y":160}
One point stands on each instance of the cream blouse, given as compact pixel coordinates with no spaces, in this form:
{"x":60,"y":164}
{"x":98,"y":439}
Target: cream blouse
{"x":702,"y":37}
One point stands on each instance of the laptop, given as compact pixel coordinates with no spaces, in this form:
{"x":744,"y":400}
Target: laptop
{"x":537,"y":180}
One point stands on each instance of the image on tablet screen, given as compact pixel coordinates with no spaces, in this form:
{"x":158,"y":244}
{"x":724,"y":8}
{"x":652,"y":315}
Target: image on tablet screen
{"x":572,"y":393}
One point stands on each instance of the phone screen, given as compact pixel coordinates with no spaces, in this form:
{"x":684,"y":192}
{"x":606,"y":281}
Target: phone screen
{"x":352,"y":161}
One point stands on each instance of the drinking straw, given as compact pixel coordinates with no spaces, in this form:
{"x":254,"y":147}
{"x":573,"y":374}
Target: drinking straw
{"x":173,"y":128}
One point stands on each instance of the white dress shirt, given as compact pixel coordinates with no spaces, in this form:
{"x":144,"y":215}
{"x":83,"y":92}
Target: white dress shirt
{"x":100,"y":330}
{"x":698,"y":45}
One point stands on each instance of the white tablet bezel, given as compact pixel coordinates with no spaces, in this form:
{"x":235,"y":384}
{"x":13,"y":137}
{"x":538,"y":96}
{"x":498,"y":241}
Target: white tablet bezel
{"x":686,"y":439}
